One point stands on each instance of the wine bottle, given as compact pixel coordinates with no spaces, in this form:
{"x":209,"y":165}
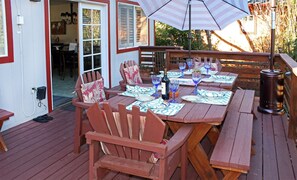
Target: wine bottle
{"x":165,"y":85}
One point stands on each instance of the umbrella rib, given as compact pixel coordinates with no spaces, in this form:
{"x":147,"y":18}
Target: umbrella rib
{"x":186,"y":16}
{"x":236,"y":7}
{"x":159,"y":8}
{"x":211,"y":15}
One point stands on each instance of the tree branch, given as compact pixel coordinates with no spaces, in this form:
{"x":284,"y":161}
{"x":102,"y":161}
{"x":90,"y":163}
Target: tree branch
{"x":227,"y":42}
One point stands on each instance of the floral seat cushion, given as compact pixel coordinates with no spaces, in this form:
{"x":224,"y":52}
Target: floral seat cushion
{"x":93,"y":91}
{"x":132,"y":75}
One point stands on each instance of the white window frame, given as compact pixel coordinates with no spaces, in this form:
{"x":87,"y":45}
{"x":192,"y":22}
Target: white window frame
{"x":4,"y":29}
{"x":135,"y":43}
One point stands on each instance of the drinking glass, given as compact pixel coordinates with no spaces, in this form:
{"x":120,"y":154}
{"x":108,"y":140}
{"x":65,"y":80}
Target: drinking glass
{"x":173,"y":86}
{"x":182,"y":67}
{"x":196,"y":77}
{"x":156,"y":81}
{"x":207,"y":66}
{"x":190,"y":64}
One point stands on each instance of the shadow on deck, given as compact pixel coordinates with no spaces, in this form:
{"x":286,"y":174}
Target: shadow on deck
{"x":40,"y":151}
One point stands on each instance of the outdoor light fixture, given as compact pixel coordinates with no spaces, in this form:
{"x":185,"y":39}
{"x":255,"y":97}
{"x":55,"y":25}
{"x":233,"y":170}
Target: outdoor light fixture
{"x":69,"y":17}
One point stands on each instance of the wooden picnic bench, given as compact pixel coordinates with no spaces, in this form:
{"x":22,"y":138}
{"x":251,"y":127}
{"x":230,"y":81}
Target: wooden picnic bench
{"x":242,"y":101}
{"x":4,"y":115}
{"x":232,"y":151}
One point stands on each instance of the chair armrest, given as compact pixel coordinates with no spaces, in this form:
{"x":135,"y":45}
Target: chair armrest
{"x":146,"y":80}
{"x":132,"y":143}
{"x":79,"y":104}
{"x":178,"y":139}
{"x":173,"y":144}
{"x":123,"y":85}
{"x":110,"y":92}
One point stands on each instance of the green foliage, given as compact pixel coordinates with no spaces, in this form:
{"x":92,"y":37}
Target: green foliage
{"x":169,"y":36}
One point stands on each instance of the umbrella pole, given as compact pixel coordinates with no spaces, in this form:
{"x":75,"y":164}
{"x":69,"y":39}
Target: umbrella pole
{"x":272,"y":34}
{"x":190,"y":33}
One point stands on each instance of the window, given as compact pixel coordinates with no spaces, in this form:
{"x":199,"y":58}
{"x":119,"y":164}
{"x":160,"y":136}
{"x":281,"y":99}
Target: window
{"x":6,"y":47}
{"x":132,"y":26}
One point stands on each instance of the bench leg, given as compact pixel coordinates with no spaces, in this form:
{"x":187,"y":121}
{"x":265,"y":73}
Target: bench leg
{"x":2,"y":144}
{"x":213,"y":135}
{"x":230,"y":175}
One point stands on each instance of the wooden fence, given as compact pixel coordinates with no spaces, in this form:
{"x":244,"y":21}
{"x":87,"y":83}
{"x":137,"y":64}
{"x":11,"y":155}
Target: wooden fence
{"x":152,"y":58}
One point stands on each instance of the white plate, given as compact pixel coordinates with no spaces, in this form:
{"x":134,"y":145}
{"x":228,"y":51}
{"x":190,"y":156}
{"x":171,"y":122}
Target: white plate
{"x":209,"y":72}
{"x":191,"y":98}
{"x":188,"y":72}
{"x":144,"y":98}
{"x":207,"y":80}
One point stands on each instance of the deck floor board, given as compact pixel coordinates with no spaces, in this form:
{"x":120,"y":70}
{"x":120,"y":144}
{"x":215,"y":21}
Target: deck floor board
{"x":45,"y":151}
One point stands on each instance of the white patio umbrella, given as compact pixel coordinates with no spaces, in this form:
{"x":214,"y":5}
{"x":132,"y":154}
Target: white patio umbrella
{"x":195,"y":14}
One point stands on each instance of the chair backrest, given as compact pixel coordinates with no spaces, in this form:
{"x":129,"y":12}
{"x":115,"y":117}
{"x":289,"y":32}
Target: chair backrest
{"x":129,"y":126}
{"x":125,"y":65}
{"x":87,"y":77}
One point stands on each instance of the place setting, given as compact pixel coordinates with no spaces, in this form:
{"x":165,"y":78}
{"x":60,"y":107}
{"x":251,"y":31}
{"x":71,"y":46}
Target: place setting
{"x":154,"y":102}
{"x":209,"y":97}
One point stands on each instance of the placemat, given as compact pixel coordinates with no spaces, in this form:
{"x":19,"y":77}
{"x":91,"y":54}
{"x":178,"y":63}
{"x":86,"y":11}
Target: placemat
{"x":158,"y":106}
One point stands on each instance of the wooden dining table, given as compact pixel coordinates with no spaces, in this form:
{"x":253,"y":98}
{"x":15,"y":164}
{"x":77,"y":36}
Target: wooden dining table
{"x":204,"y":117}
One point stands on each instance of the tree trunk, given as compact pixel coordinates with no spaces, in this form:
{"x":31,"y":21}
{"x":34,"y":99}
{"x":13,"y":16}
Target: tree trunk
{"x":246,"y":36}
{"x":208,"y":36}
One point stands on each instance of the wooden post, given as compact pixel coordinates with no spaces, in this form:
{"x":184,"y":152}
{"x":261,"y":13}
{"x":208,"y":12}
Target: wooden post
{"x":293,"y":106}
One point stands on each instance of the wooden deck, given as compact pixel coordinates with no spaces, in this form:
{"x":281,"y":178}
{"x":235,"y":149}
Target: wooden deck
{"x":44,"y":151}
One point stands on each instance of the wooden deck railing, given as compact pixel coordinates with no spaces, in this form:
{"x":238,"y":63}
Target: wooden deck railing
{"x":248,"y":66}
{"x":153,"y":57}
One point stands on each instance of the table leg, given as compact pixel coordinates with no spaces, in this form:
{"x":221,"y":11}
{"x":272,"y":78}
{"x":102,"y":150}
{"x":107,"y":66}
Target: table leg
{"x":2,"y":143}
{"x":196,"y":153}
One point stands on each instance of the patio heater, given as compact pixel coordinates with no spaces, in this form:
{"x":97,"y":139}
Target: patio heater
{"x":271,"y":80}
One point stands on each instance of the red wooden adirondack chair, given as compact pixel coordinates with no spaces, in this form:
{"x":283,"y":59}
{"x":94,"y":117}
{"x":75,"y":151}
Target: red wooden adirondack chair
{"x":82,"y":124}
{"x":124,"y":82}
{"x":129,"y":140}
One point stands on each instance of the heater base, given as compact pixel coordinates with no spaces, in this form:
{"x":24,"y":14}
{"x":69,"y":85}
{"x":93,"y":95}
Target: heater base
{"x":271,"y":111}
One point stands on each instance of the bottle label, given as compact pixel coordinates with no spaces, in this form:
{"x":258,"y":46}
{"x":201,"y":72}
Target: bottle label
{"x":163,"y":85}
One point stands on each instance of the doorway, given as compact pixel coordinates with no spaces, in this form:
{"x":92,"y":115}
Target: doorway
{"x":64,"y":50}
{"x":79,"y":43}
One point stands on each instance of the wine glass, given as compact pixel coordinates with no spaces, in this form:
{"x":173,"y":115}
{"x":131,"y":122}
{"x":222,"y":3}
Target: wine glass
{"x":182,"y":67}
{"x":196,"y":77}
{"x":190,"y":64}
{"x":207,"y":66}
{"x":173,"y":86}
{"x":156,"y":81}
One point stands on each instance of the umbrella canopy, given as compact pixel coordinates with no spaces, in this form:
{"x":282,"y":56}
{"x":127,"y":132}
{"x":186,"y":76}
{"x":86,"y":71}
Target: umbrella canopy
{"x":205,"y":14}
{"x":195,"y":14}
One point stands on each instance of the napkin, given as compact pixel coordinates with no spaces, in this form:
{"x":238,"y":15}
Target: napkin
{"x":223,"y":78}
{"x":171,"y":74}
{"x":134,"y":91}
{"x":213,"y":97}
{"x":183,"y":81}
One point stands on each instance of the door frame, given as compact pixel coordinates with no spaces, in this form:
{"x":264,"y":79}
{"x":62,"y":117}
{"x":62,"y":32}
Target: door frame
{"x":103,"y":37}
{"x":48,"y":46}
